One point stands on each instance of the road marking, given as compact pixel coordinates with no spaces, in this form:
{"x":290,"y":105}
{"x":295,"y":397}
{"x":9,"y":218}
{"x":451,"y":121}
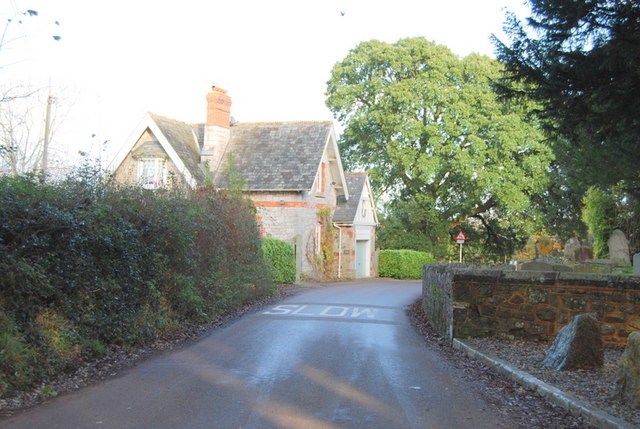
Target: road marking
{"x":343,"y":313}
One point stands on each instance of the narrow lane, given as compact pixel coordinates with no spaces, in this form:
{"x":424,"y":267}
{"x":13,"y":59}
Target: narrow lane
{"x":337,"y":356}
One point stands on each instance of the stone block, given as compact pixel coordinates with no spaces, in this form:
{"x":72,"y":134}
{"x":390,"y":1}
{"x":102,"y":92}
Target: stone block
{"x":547,"y":314}
{"x":574,"y":303}
{"x":595,"y":267}
{"x":524,"y":316}
{"x":577,"y":345}
{"x":516,"y":299}
{"x":537,"y":296}
{"x":602,"y":307}
{"x":636,"y":264}
{"x":628,"y":381}
{"x":607,"y":330}
{"x":535,"y":328}
{"x":634,"y":323}
{"x":536,"y":266}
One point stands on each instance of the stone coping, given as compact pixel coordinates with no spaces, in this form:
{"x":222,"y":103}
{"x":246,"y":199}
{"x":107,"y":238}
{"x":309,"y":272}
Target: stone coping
{"x":592,"y":414}
{"x":488,"y":274}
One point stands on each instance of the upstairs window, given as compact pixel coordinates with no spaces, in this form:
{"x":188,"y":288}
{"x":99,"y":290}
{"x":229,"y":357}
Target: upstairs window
{"x":321,"y":178}
{"x":151,"y":172}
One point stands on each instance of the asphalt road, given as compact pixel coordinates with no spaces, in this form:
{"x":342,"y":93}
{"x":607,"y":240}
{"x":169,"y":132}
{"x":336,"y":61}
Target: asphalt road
{"x":335,"y":356}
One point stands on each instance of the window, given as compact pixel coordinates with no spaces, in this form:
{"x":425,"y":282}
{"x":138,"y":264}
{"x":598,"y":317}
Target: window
{"x":321,"y":178}
{"x":151,"y":172}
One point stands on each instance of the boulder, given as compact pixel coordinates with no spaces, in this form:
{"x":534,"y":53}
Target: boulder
{"x":619,"y":248}
{"x":636,"y":264}
{"x":628,"y":382}
{"x":577,"y":346}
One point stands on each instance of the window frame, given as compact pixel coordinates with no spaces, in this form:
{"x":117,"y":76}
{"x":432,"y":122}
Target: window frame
{"x":159,"y":173}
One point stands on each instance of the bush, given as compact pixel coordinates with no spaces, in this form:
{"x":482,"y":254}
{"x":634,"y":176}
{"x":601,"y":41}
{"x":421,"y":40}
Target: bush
{"x":84,"y":265}
{"x":403,"y":264}
{"x":280,"y":259}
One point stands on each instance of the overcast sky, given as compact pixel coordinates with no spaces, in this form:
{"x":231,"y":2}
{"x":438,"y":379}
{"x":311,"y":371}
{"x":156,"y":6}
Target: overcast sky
{"x":116,"y":60}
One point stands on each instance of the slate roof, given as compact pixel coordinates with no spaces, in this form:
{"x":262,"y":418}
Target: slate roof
{"x":186,"y":139}
{"x":277,"y":156}
{"x":347,"y":210}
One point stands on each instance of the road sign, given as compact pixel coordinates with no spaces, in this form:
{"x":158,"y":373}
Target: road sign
{"x":460,"y":238}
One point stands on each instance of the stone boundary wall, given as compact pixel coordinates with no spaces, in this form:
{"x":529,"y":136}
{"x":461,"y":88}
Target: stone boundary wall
{"x":480,"y":301}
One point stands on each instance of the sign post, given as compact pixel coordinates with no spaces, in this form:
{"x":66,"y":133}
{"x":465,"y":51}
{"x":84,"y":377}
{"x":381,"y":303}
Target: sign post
{"x":460,"y":238}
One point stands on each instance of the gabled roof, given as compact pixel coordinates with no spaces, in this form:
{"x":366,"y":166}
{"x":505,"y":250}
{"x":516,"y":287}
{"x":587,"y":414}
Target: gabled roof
{"x":347,"y":210}
{"x":186,"y":139}
{"x":181,"y":141}
{"x":278,"y":156}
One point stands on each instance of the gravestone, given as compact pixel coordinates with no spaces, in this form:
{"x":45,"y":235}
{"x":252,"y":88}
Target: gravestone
{"x":583,"y":254}
{"x":619,"y":248}
{"x":577,"y":251}
{"x":570,"y":248}
{"x":578,"y":345}
{"x":636,"y":264}
{"x":595,"y":266}
{"x":628,"y":382}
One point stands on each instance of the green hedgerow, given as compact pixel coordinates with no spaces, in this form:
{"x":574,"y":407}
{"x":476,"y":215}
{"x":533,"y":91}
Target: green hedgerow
{"x":280,"y":259}
{"x":403,"y":264}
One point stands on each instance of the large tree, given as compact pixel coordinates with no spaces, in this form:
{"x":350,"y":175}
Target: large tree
{"x":580,"y":59}
{"x":429,"y":129}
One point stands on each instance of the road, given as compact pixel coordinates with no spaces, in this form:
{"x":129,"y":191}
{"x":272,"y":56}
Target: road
{"x":341,"y":355}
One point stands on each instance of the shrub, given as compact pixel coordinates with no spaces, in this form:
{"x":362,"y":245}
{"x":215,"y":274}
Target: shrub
{"x":84,"y":265}
{"x":280,"y":259}
{"x":403,"y":264}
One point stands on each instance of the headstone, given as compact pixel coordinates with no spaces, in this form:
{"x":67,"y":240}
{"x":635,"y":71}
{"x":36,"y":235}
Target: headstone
{"x":595,"y":266}
{"x":538,"y":265}
{"x":636,"y":264}
{"x":583,"y":253}
{"x":628,"y":382}
{"x":619,"y":248}
{"x":570,"y":248}
{"x":578,"y":345}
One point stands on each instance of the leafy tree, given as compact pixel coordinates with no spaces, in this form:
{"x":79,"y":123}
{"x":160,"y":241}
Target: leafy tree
{"x":429,"y":129}
{"x":581,"y":61}
{"x":609,"y":209}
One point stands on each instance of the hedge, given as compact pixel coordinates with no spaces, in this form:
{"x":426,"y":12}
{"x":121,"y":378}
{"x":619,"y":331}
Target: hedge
{"x":403,"y":264}
{"x":84,"y":265}
{"x":280,"y":259}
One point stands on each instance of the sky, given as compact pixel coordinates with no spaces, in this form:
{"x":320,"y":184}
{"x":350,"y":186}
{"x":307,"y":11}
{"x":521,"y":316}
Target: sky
{"x":117,"y":60}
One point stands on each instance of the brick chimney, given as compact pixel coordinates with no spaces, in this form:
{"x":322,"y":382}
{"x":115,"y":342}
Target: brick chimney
{"x":217,"y":130}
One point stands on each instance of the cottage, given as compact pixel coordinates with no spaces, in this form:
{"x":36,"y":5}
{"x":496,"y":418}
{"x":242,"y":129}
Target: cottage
{"x":292,"y":172}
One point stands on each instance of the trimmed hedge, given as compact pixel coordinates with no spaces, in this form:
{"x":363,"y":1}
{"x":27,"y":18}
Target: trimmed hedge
{"x":280,"y":259}
{"x":403,"y":264}
{"x":84,"y":265}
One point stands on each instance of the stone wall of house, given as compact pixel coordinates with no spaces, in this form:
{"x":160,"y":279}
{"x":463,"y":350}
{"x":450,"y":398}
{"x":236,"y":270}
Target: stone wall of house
{"x":293,"y":217}
{"x":347,"y":252}
{"x":485,"y":301}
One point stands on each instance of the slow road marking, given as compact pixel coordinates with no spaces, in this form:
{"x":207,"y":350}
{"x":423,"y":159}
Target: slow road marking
{"x":373,"y":314}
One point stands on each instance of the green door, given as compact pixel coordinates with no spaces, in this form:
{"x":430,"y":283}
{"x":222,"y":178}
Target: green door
{"x":361,"y":258}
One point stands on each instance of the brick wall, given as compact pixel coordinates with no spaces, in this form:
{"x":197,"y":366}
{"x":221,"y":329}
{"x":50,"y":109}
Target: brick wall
{"x":474,"y":302}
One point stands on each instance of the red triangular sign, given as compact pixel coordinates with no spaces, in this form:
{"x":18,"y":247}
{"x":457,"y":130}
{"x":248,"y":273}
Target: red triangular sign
{"x":461,"y":236}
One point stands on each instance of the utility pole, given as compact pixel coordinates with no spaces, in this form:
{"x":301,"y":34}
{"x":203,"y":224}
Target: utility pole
{"x":47,"y":134}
